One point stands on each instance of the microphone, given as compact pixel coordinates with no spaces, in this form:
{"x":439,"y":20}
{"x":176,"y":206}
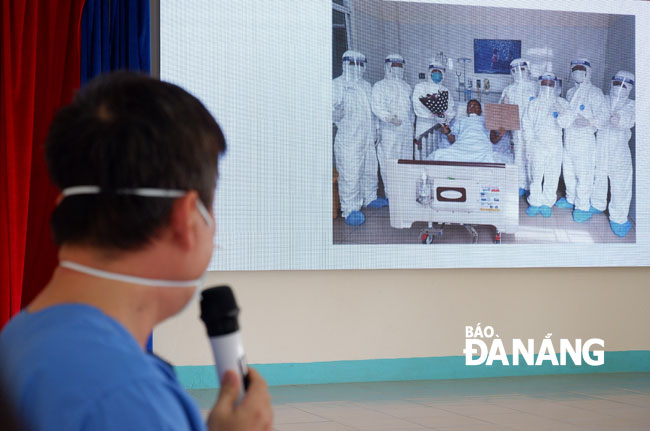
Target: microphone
{"x":219,"y":312}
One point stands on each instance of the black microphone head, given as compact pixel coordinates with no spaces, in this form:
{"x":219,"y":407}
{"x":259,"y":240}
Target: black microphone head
{"x":219,"y":310}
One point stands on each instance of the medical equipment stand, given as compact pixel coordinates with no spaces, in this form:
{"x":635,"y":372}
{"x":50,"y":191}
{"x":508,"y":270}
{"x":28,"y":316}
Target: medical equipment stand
{"x":465,"y":60}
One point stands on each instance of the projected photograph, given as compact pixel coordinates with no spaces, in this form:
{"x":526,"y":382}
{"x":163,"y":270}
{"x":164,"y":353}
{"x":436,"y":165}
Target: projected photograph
{"x":438,"y":140}
{"x":494,"y":56}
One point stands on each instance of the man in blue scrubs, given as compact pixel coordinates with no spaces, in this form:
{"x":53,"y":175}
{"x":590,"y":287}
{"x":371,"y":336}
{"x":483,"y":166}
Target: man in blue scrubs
{"x":136,"y":162}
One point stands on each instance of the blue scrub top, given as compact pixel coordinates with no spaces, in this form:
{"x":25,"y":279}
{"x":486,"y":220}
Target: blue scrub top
{"x":71,"y":367}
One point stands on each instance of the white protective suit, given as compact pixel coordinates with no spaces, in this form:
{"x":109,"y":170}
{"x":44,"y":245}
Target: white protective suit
{"x":425,"y":119}
{"x":391,"y":104}
{"x":472,"y":142}
{"x":588,"y":104}
{"x":520,"y":93}
{"x":544,"y":118}
{"x":615,"y":160}
{"x":354,"y":145}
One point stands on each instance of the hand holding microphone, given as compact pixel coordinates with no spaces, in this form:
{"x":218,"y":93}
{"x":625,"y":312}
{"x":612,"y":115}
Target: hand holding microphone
{"x":244,"y":402}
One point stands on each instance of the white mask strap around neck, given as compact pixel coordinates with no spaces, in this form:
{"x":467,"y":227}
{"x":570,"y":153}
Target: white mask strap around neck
{"x":146,"y":192}
{"x":143,"y":281}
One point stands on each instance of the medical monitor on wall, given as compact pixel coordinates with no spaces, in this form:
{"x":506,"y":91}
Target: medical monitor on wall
{"x":495,"y":55}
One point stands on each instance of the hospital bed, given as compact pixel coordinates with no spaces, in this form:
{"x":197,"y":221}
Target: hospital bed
{"x":463,"y":193}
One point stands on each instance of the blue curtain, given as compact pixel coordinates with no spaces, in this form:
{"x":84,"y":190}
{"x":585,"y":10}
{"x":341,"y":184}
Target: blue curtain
{"x":115,"y":34}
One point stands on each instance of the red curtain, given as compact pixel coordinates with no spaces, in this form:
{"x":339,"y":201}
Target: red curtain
{"x":40,"y":72}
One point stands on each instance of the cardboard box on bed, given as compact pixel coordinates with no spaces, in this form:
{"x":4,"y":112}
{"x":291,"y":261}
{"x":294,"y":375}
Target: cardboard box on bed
{"x":501,"y":115}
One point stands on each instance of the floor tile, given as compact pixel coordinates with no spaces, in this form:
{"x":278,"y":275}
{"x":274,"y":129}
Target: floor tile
{"x":588,"y":402}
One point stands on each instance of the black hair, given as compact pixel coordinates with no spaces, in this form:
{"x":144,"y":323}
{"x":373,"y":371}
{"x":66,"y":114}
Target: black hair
{"x":474,"y":100}
{"x":128,"y":130}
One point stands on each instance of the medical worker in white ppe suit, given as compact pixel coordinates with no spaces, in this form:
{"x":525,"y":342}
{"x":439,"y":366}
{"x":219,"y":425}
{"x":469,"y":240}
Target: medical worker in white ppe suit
{"x":614,"y":159}
{"x":544,"y":118}
{"x":425,"y":118}
{"x":355,"y":154}
{"x":391,"y":103}
{"x":579,"y":157}
{"x":520,"y":92}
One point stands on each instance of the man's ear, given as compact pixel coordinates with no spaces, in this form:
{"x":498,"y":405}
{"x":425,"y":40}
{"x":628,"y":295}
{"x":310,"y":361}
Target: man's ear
{"x":183,"y":220}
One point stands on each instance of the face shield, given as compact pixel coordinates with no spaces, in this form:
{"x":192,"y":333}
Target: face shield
{"x":547,"y":82}
{"x":354,"y":66}
{"x":621,"y":86}
{"x":519,"y":71}
{"x":394,"y":68}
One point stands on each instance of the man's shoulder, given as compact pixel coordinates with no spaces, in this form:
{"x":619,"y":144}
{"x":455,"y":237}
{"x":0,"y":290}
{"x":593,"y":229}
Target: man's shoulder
{"x":74,"y":355}
{"x":70,"y":344}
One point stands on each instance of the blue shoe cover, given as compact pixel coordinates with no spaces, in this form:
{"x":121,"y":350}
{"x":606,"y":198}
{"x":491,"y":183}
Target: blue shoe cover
{"x":594,"y":210}
{"x":355,"y":218}
{"x":523,"y":192}
{"x":580,"y":216}
{"x":620,"y":229}
{"x":378,"y":203}
{"x":546,"y":211}
{"x":532,"y":211}
{"x":563,"y":203}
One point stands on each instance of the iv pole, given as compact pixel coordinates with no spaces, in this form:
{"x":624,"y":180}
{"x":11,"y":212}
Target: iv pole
{"x":464,"y":60}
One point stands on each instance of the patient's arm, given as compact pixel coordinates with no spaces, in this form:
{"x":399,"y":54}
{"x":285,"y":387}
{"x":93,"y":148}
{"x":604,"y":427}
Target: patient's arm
{"x":496,"y":135}
{"x":447,"y":131}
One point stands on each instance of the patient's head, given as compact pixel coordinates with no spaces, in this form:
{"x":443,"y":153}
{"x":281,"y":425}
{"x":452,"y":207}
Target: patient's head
{"x":126,"y":130}
{"x":474,"y":107}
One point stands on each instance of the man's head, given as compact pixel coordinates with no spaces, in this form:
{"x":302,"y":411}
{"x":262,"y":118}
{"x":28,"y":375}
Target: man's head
{"x":129,"y":131}
{"x":436,"y":71}
{"x":547,"y":82}
{"x":622,"y":84}
{"x":354,"y":65}
{"x":394,"y":66}
{"x":581,"y":70}
{"x":474,"y":107}
{"x":519,"y":69}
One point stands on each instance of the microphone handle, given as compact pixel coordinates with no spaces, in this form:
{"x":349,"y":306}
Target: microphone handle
{"x":229,"y":354}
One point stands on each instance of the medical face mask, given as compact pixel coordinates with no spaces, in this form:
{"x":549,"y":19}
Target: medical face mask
{"x":547,"y":91}
{"x":518,"y":73}
{"x":436,"y":77}
{"x":143,"y":281}
{"x":618,"y":93}
{"x":579,"y":76}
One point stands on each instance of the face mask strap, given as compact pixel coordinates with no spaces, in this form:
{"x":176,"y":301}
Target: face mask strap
{"x":147,"y":192}
{"x":132,"y":279}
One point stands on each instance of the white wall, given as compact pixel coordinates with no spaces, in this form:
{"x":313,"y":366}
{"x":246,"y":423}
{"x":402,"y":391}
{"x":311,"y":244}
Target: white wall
{"x":419,"y":31}
{"x":313,"y":316}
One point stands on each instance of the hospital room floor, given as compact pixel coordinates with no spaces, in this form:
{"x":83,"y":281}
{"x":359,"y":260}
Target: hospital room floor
{"x":559,"y":228}
{"x":584,"y":402}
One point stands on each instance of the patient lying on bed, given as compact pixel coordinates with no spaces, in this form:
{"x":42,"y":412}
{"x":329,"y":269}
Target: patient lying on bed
{"x":471,"y":141}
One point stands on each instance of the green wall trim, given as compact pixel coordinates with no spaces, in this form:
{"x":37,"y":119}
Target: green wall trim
{"x":433,"y":368}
